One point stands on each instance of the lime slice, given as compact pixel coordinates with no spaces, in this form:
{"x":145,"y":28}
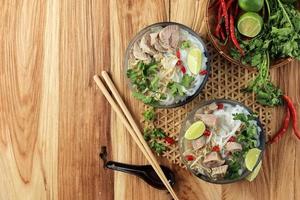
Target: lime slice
{"x":251,"y":5}
{"x":251,"y":158}
{"x":194,"y":60}
{"x":253,"y":175}
{"x":250,"y":24}
{"x":195,"y":130}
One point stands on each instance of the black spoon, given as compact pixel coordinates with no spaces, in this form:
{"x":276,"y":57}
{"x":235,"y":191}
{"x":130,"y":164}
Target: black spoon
{"x":145,"y":172}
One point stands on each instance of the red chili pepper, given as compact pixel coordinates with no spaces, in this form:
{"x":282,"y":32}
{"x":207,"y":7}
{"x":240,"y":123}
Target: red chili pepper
{"x":179,"y":62}
{"x":225,"y":15}
{"x":216,"y":148}
{"x":283,"y":128}
{"x":169,"y":140}
{"x":236,"y":12}
{"x":215,"y":3}
{"x":182,"y":68}
{"x":222,"y":34}
{"x":189,"y":157}
{"x":178,"y":54}
{"x":220,"y":106}
{"x":207,"y":133}
{"x":232,"y":139}
{"x":218,"y":27}
{"x":229,"y":3}
{"x":293,"y":114}
{"x":203,"y":72}
{"x":232,"y":35}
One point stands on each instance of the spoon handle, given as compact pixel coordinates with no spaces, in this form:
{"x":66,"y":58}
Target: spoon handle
{"x":132,"y":169}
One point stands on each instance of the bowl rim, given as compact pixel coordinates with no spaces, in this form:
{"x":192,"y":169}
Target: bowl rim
{"x":261,"y":139}
{"x":191,"y":31}
{"x":214,"y":41}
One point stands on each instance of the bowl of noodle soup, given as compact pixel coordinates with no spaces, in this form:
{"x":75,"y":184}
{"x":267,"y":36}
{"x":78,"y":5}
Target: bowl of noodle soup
{"x":166,"y":65}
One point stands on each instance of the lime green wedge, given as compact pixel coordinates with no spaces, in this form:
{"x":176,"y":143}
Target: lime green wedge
{"x":253,"y":175}
{"x":250,"y":24}
{"x":251,"y":158}
{"x":194,"y":60}
{"x":195,"y":130}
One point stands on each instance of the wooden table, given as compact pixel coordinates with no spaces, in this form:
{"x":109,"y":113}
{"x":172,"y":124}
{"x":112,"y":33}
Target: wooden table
{"x":53,"y":119}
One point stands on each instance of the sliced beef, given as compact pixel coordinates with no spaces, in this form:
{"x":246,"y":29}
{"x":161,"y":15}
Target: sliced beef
{"x":169,"y":37}
{"x":213,"y":159}
{"x":208,"y":119}
{"x":145,"y":44}
{"x":219,"y":171}
{"x":154,"y":41}
{"x":138,"y":52}
{"x":233,"y":146}
{"x":199,"y":143}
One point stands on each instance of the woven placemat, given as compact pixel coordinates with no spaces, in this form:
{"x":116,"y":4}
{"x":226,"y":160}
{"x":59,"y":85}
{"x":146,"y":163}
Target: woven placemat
{"x":226,"y":81}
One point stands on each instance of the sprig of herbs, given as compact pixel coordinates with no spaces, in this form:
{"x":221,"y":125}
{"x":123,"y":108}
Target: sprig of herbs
{"x":279,"y":38}
{"x":149,"y":114}
{"x":247,"y":138}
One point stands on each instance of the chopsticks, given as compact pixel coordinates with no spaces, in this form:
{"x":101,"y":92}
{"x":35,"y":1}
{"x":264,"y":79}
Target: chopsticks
{"x":131,"y":126}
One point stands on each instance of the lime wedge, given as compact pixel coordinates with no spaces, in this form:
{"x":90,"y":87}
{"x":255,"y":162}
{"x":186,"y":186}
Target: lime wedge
{"x":195,"y":130}
{"x":251,"y":158}
{"x":250,"y":24}
{"x":194,"y":60}
{"x":253,"y":175}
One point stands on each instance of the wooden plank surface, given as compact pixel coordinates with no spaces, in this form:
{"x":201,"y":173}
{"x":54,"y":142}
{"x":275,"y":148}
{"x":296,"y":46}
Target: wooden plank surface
{"x":53,"y":119}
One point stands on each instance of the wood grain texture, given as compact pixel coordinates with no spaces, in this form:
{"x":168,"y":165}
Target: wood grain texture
{"x":53,"y":119}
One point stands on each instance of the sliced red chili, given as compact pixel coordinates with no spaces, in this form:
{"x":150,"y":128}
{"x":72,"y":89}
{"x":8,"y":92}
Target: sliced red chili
{"x":216,"y":148}
{"x":220,"y":106}
{"x":232,"y":139}
{"x":207,"y":133}
{"x":203,"y":72}
{"x":169,"y":140}
{"x":178,"y":54}
{"x":189,"y":157}
{"x":182,"y":68}
{"x":179,"y":62}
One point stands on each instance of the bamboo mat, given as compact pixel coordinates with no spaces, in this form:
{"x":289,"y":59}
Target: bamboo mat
{"x":226,"y":81}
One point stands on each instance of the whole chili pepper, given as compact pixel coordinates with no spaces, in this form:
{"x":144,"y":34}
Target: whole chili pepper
{"x":293,"y":114}
{"x":222,"y":35}
{"x":232,"y":35}
{"x":236,"y":12}
{"x":225,"y":15}
{"x":218,"y":20}
{"x":283,"y":128}
{"x":215,"y":3}
{"x":229,"y":4}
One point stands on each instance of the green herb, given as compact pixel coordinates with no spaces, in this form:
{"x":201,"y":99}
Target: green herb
{"x":176,"y":89}
{"x":248,"y":136}
{"x":185,"y":44}
{"x":155,"y":133}
{"x":144,"y":98}
{"x":234,"y":165}
{"x":158,"y":147}
{"x":149,"y":115}
{"x":187,"y":80}
{"x":279,"y":38}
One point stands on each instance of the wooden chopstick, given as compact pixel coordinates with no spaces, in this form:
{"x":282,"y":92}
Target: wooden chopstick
{"x":133,"y":124}
{"x":141,"y":143}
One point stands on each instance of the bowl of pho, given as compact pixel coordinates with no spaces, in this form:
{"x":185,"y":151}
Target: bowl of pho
{"x":222,"y":141}
{"x":166,"y":65}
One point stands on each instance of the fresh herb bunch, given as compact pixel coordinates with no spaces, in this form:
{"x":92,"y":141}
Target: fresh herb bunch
{"x":248,"y":139}
{"x":279,"y":38}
